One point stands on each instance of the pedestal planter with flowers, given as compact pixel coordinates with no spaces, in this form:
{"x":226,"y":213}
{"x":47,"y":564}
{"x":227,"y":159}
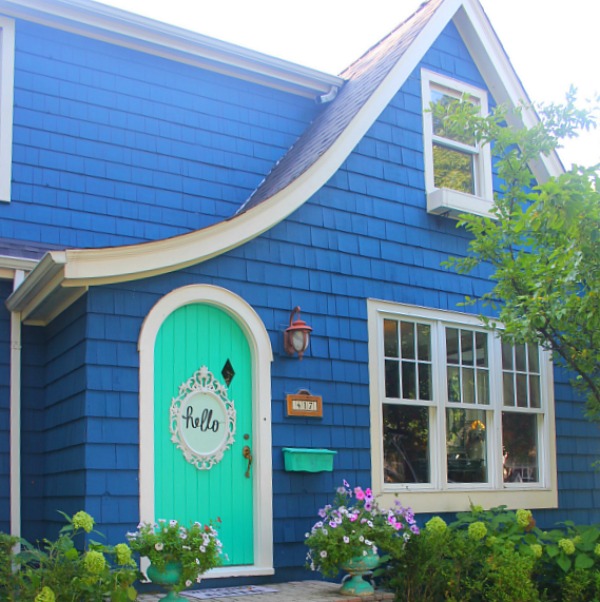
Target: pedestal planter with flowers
{"x":351,"y":533}
{"x":178,"y":555}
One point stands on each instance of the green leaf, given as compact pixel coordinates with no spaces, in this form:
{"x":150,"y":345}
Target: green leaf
{"x":564,"y":562}
{"x":552,"y":551}
{"x":582,"y":561}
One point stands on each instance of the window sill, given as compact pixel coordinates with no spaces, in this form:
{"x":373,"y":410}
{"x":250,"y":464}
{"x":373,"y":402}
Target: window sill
{"x":452,"y":203}
{"x":459,"y":501}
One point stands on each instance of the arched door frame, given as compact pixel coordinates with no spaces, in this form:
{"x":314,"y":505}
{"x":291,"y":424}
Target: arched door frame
{"x":262,"y":356}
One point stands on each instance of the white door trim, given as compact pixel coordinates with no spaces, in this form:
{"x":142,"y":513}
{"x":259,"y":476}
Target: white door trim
{"x":262,"y":356}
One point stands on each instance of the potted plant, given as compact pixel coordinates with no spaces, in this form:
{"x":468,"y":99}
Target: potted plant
{"x":350,"y":533}
{"x":178,"y":554}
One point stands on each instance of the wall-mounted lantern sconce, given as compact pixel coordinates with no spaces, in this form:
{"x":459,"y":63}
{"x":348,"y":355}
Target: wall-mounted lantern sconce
{"x":297,"y":335}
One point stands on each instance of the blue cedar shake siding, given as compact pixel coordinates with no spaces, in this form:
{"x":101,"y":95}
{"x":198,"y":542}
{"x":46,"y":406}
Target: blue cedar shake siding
{"x":116,"y":147}
{"x":365,"y":234}
{"x":5,"y":290}
{"x":33,"y":420}
{"x":58,"y":441}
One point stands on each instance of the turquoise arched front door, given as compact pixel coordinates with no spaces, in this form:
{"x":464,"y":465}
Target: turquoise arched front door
{"x":193,"y":337}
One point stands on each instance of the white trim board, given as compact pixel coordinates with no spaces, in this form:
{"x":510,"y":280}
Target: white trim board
{"x":7,"y":76}
{"x":262,"y":356}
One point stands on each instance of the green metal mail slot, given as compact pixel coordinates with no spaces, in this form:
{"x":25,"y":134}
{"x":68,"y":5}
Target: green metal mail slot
{"x":301,"y":459}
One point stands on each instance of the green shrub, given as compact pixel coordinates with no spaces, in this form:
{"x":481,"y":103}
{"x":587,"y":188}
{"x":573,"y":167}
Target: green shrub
{"x":7,"y":576}
{"x":57,"y":571}
{"x":569,"y":564}
{"x":498,"y":555}
{"x":462,"y":563}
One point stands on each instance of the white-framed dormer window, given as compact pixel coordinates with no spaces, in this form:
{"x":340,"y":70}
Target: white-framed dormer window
{"x":457,"y":415}
{"x":458,"y":170}
{"x":7,"y":68}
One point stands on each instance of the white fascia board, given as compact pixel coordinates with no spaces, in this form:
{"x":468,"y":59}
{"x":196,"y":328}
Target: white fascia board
{"x":120,"y":27}
{"x":17,"y":263}
{"x":45,"y":276}
{"x":496,"y":69}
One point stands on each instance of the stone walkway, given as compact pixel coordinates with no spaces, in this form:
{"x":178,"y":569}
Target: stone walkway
{"x":295,"y":591}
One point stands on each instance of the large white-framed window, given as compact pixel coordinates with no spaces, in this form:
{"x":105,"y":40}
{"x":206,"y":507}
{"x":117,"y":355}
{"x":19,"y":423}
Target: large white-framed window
{"x":458,"y":170}
{"x":7,"y":69}
{"x":457,"y":415}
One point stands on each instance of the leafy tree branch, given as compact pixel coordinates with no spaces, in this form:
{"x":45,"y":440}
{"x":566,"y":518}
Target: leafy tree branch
{"x":542,"y":239}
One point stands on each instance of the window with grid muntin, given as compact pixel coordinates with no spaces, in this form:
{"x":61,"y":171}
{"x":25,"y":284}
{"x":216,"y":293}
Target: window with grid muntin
{"x":445,"y":420}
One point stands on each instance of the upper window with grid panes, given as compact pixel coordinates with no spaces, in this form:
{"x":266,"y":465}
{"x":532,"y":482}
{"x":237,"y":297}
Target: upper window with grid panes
{"x":458,"y":170}
{"x":458,"y":409}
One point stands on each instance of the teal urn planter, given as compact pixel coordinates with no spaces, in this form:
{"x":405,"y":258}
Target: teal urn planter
{"x":357,"y":567}
{"x":167,"y":577}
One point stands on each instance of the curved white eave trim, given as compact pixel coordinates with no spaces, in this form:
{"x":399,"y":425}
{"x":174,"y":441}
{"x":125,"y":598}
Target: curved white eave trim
{"x":84,"y":267}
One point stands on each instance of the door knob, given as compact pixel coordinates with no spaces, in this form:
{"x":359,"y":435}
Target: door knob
{"x":247,"y":453}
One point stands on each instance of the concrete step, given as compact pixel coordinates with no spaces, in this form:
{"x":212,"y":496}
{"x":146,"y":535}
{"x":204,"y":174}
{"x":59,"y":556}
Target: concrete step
{"x":295,"y":591}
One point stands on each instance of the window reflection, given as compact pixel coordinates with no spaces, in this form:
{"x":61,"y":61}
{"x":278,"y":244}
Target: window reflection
{"x":466,"y":446}
{"x":453,"y":169}
{"x":406,"y":444}
{"x":520,"y":447}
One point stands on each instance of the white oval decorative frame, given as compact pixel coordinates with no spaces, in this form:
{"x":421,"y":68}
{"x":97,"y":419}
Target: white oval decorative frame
{"x":203,"y":385}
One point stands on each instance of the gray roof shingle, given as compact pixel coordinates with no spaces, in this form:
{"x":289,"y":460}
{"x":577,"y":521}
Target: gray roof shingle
{"x":362,"y":79}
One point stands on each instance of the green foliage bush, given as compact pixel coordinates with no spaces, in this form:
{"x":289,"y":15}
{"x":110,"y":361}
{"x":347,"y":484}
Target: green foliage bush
{"x":57,"y":571}
{"x":7,"y":577}
{"x":498,"y":556}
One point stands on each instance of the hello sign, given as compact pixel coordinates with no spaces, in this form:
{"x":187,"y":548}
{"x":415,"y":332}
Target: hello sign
{"x":202,"y":420}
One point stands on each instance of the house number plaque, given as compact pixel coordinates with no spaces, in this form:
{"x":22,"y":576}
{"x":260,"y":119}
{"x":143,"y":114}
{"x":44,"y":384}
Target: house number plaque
{"x":202,"y":420}
{"x":299,"y":404}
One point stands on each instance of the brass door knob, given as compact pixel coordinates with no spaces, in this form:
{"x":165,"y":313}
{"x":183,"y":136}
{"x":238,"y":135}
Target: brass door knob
{"x":247,"y":453}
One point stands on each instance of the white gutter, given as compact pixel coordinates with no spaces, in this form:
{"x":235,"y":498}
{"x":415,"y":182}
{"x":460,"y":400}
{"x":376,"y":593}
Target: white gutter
{"x":102,"y":22}
{"x":15,"y":416}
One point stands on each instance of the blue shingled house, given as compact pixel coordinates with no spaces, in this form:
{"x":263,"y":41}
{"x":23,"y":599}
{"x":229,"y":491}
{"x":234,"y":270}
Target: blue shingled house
{"x":167,"y":200}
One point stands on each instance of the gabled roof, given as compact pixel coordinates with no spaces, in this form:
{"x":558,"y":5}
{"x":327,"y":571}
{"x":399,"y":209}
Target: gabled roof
{"x":371,"y":83}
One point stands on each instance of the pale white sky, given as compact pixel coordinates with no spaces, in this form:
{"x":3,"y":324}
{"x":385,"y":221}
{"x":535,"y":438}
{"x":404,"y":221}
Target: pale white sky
{"x":551,"y":43}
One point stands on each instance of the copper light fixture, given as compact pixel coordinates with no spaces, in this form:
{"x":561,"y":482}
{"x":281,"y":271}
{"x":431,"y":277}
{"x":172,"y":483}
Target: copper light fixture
{"x":297,"y":335}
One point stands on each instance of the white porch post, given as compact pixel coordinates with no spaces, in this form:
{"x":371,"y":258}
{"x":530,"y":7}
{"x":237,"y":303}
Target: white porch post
{"x":15,"y":416}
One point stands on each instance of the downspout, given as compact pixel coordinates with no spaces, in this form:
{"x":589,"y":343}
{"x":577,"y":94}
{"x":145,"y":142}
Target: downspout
{"x":15,"y":414}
